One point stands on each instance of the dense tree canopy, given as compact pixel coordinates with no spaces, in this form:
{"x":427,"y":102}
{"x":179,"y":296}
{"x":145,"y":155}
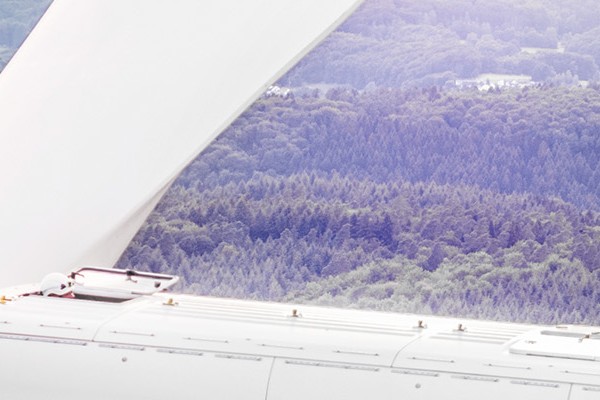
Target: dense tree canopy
{"x":542,"y":141}
{"x":421,"y":43}
{"x":477,"y":200}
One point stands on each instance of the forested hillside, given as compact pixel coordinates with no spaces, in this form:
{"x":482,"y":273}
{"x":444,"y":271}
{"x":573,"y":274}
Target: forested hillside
{"x":403,"y":43}
{"x":459,"y":202}
{"x":542,"y":141}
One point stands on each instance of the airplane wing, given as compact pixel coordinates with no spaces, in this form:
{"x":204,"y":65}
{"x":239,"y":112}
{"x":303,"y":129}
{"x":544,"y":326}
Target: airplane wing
{"x":106,"y":102}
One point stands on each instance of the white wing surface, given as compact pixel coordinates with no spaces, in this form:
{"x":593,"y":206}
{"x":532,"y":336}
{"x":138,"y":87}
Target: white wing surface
{"x":106,"y":102}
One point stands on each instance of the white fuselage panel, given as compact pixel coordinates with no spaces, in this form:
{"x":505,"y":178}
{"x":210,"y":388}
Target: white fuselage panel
{"x":193,"y":347}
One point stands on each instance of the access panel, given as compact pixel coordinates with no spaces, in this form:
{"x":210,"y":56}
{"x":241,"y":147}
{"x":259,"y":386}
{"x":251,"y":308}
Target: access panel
{"x":580,"y":392}
{"x":76,"y":370}
{"x":301,"y":380}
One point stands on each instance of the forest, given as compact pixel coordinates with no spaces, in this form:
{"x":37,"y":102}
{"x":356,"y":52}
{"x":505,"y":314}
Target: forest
{"x":423,"y":200}
{"x":382,"y":182}
{"x":401,"y":43}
